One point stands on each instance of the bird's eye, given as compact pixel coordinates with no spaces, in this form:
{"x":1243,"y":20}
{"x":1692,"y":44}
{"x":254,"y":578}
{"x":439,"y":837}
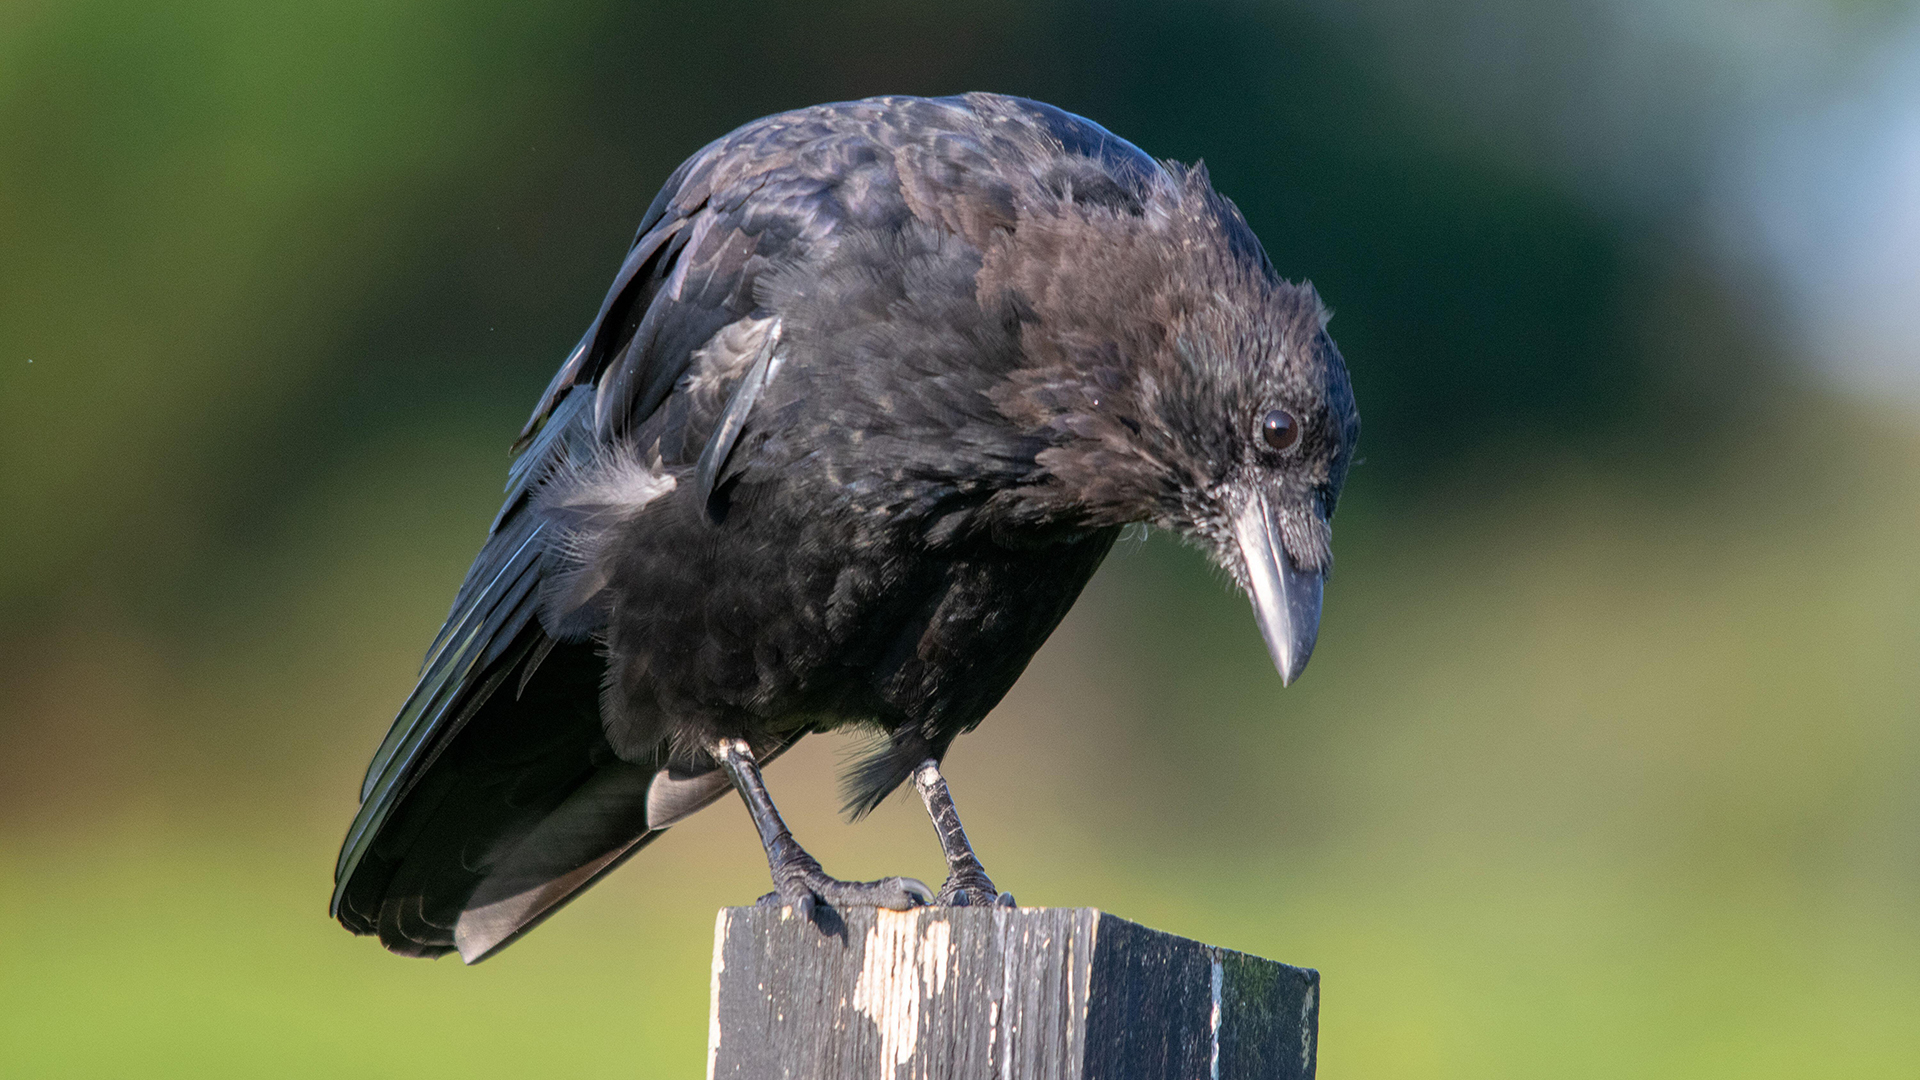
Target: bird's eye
{"x":1280,"y":429}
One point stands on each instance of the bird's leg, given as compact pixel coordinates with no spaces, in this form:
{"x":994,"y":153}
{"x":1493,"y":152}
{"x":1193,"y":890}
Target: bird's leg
{"x":967,"y":882}
{"x":797,"y":878}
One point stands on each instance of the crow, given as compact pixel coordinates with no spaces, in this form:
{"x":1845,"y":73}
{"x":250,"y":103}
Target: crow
{"x":876,"y":387}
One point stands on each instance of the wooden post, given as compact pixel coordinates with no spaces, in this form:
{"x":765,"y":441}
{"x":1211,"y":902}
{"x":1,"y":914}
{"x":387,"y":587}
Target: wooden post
{"x":1000,"y":993}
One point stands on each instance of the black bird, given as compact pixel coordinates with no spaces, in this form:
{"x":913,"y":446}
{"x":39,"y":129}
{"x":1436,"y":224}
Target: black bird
{"x":871,"y":396}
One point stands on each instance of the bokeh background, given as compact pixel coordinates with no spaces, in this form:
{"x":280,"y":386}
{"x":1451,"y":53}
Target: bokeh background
{"x":1608,"y":763}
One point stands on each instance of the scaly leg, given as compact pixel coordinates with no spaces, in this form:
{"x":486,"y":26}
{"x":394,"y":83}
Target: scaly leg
{"x":967,"y":882}
{"x":797,"y":877}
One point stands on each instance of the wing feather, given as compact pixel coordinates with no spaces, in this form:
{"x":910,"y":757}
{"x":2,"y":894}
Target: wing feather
{"x":689,"y":272}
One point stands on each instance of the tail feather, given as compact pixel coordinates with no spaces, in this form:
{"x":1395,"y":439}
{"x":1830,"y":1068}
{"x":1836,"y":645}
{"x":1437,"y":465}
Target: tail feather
{"x":523,"y":807}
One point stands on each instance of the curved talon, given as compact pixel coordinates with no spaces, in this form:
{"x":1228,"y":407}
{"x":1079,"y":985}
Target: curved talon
{"x":1006,"y":900}
{"x":894,"y":893}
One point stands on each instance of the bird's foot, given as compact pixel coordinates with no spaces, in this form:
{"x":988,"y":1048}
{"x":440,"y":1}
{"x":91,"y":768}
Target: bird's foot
{"x":804,"y":888}
{"x":971,"y":888}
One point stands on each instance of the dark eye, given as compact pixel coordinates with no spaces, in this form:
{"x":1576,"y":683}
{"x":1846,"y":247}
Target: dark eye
{"x":1280,"y":429}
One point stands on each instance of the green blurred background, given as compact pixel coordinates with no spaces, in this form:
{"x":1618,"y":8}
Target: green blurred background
{"x":1608,"y":763}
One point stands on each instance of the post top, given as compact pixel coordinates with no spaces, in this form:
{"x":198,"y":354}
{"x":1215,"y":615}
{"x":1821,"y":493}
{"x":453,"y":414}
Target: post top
{"x":1016,"y":993}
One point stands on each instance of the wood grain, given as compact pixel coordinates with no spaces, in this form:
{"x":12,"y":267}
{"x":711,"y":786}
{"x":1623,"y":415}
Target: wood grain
{"x":997,"y":994}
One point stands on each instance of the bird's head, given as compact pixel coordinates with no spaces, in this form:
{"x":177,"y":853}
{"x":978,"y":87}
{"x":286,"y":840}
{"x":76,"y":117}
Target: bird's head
{"x":1264,"y":425}
{"x":1181,"y":383}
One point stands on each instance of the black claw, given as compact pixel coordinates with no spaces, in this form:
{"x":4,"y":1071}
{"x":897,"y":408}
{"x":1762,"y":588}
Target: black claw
{"x":1006,"y":900}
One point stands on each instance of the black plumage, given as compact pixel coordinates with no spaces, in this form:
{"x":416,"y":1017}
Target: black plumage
{"x":868,"y":401}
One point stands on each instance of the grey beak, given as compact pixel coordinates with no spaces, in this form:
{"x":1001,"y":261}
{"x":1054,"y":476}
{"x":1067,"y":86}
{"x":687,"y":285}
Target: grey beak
{"x":1286,"y":600}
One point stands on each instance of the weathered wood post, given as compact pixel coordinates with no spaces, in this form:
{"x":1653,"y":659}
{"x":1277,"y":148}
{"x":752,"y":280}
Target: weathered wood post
{"x":1001,"y":993}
